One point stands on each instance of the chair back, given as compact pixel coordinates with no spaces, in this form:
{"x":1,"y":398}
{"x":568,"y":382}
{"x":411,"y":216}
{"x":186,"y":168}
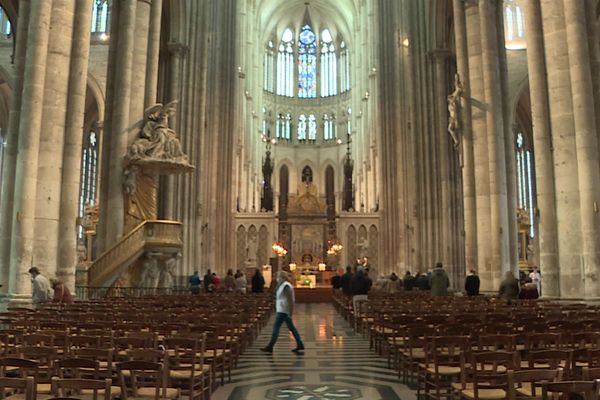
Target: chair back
{"x":75,"y":387}
{"x":135,"y":375}
{"x":587,"y":389}
{"x":24,"y":386}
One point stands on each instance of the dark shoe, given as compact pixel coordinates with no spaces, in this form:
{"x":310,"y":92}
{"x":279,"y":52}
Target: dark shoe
{"x":298,"y":349}
{"x":267,"y":349}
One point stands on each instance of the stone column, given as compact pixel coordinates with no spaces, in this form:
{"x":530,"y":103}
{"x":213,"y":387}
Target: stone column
{"x":70,"y":184}
{"x":139,"y":66}
{"x":542,"y":138}
{"x":56,"y":86}
{"x":566,"y":175}
{"x":468,"y":157}
{"x":30,"y":126}
{"x":10,"y":154}
{"x":119,"y":127}
{"x":480,"y":143}
{"x":444,"y":167}
{"x":586,"y":139}
{"x":153,"y":53}
{"x":176,"y":53}
{"x":499,"y":227}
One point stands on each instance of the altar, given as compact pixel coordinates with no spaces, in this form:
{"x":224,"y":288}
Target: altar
{"x":312,"y":279}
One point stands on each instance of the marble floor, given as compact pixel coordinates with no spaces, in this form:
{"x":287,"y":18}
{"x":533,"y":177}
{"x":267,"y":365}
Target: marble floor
{"x":337,"y":364}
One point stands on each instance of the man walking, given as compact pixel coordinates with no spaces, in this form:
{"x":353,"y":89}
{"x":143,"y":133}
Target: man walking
{"x":284,"y":306}
{"x":42,"y":289}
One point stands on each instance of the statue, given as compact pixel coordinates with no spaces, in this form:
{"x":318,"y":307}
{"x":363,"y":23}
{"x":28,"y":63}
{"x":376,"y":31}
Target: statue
{"x":149,"y":274}
{"x":157,"y":145}
{"x":167,"y":272}
{"x":454,"y":111}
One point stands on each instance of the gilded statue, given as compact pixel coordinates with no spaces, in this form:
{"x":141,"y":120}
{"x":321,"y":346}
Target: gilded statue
{"x":454,"y":111}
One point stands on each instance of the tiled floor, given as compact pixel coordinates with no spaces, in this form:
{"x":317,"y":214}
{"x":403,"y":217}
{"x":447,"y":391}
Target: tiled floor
{"x":337,"y":364}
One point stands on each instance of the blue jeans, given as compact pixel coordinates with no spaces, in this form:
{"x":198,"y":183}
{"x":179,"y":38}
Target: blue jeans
{"x":280,"y":318}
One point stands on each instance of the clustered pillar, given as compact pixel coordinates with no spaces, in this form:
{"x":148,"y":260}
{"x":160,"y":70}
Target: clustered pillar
{"x":37,"y":210}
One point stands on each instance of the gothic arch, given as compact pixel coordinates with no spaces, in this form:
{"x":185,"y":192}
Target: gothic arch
{"x":240,"y":239}
{"x":351,"y":236}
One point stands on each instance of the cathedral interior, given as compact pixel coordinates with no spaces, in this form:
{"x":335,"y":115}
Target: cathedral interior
{"x":144,"y":140}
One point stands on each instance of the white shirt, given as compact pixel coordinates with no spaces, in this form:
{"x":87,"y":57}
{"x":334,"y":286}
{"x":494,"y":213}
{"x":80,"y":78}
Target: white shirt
{"x":282,"y":304}
{"x":42,"y":291}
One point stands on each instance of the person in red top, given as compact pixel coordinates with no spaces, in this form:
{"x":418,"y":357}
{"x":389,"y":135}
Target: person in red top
{"x":61,"y":292}
{"x":216,"y":280}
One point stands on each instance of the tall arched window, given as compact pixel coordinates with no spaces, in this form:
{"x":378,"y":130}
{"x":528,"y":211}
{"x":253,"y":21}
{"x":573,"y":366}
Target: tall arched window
{"x":514,"y":25}
{"x":312,"y":127}
{"x":269,"y":66}
{"x":282,"y":127}
{"x":287,"y":133}
{"x":2,"y":147}
{"x":330,"y":191}
{"x":302,"y":127}
{"x":5,"y":25}
{"x":328,"y":65}
{"x":89,"y":173}
{"x":344,"y":68}
{"x":525,"y":179}
{"x":349,"y":122}
{"x":100,"y":22}
{"x":285,"y":65}
{"x":307,"y":64}
{"x":329,"y":127}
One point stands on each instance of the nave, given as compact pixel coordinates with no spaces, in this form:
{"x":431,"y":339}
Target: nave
{"x":337,"y":364}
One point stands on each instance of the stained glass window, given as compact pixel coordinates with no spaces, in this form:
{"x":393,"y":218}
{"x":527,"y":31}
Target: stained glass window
{"x":2,"y":147}
{"x":285,"y":65}
{"x":265,"y":124}
{"x":307,"y":64}
{"x":5,"y":25}
{"x":525,"y":179}
{"x":302,"y":127}
{"x":269,"y":66}
{"x":287,"y":133}
{"x":312,"y":127}
{"x":329,"y":127}
{"x":328,"y":66}
{"x":344,"y":68}
{"x":100,"y":16}
{"x":514,"y":25}
{"x":89,"y":173}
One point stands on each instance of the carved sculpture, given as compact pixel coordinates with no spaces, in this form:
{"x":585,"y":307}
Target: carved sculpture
{"x":157,"y":146}
{"x":454,"y":111}
{"x":167,"y":272}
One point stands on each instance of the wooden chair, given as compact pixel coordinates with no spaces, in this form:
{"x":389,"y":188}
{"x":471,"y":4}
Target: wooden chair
{"x":84,"y":389}
{"x":141,"y":380}
{"x":527,"y":384}
{"x":565,"y":389}
{"x":22,"y":388}
{"x":442,"y":366}
{"x":187,"y":369}
{"x":549,"y":359}
{"x":485,"y":376}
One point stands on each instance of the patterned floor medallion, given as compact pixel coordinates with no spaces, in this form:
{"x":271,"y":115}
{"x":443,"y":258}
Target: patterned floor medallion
{"x":314,"y":392}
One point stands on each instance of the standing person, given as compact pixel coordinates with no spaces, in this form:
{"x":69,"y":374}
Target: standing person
{"x":208,"y":282}
{"x":357,"y":264}
{"x":258,"y":282}
{"x":195,"y":283}
{"x":42,"y":289}
{"x":509,"y":288}
{"x":229,"y":281}
{"x":536,"y":279}
{"x":216,"y":280}
{"x":439,"y":281}
{"x":365,"y":264}
{"x":240,"y":282}
{"x":284,"y":306}
{"x":409,"y":281}
{"x":62,"y":294}
{"x":345,"y":281}
{"x":336,"y":280}
{"x":472,"y":284}
{"x":360,"y":284}
{"x":393,"y":284}
{"x":422,"y":281}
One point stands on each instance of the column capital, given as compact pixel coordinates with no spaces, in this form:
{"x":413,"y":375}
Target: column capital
{"x":440,"y":54}
{"x":470,"y":3}
{"x":149,"y":2}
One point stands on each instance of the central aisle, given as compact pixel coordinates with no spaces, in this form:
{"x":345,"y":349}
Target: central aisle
{"x":337,"y":364}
